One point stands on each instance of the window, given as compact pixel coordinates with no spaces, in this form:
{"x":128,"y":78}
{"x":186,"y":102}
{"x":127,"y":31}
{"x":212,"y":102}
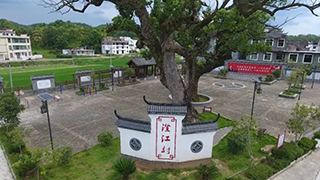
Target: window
{"x":267,"y":57}
{"x":29,"y":53}
{"x":307,"y":58}
{"x":254,"y":56}
{"x":11,"y":55}
{"x":9,"y":40}
{"x":281,"y":43}
{"x":318,"y":59}
{"x":28,"y":46}
{"x":269,"y":42}
{"x":10,"y":47}
{"x":27,"y":40}
{"x":279,"y":56}
{"x":293,"y":58}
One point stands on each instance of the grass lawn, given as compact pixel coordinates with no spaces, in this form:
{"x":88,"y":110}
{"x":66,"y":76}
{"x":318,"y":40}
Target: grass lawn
{"x":222,"y":122}
{"x":288,"y":93}
{"x":240,"y":161}
{"x":21,"y":77}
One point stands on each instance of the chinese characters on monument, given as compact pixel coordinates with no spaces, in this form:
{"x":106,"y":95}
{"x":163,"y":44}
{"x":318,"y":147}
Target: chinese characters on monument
{"x":166,"y":130}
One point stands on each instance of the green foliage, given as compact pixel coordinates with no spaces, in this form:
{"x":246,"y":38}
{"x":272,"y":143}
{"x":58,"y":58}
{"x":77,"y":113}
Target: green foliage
{"x":237,"y":141}
{"x":105,"y":138}
{"x":14,"y":142}
{"x":63,"y":56}
{"x":303,"y":37}
{"x":307,"y":144}
{"x":129,"y":72}
{"x":26,"y":163}
{"x":277,"y":73}
{"x":290,"y":151}
{"x":223,"y":72}
{"x":206,"y":172}
{"x":260,"y":172}
{"x":316,"y":135}
{"x":62,"y":155}
{"x":270,"y":77}
{"x":301,"y":120}
{"x":146,"y":53}
{"x":125,"y":166}
{"x":10,"y":109}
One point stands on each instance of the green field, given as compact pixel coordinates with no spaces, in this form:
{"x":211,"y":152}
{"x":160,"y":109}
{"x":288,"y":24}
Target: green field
{"x":62,"y":72}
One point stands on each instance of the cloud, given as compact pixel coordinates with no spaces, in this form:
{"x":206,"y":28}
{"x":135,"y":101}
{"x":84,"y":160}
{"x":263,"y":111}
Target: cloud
{"x":29,"y":12}
{"x":303,"y":21}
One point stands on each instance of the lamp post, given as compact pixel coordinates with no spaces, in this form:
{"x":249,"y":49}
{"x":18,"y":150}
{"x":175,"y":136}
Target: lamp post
{"x":313,"y":75}
{"x":111,"y":55}
{"x":257,"y":88}
{"x":44,"y":109}
{"x":11,"y":83}
{"x":302,"y":78}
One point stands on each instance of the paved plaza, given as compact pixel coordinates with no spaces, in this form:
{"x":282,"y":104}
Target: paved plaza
{"x":77,"y":120}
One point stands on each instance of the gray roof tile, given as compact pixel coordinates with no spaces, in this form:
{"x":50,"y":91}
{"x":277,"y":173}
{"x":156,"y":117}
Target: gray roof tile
{"x":142,"y":61}
{"x":198,"y":127}
{"x":133,"y":124}
{"x":47,"y":76}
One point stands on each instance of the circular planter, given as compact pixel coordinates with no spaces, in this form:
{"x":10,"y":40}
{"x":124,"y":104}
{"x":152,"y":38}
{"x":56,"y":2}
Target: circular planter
{"x":199,"y":103}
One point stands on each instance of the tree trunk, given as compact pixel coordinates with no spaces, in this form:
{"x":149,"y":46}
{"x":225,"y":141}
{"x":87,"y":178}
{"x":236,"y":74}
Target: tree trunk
{"x":173,"y":79}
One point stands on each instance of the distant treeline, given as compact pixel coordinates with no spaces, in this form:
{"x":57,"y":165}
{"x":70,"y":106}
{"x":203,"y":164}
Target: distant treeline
{"x":62,"y":35}
{"x":301,"y":37}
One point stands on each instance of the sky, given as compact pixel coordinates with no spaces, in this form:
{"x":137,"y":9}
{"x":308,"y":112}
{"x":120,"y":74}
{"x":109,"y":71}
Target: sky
{"x":28,"y":12}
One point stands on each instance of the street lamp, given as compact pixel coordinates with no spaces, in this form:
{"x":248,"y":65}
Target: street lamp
{"x":44,"y":109}
{"x":302,"y":78}
{"x":11,"y":83}
{"x":257,"y":88}
{"x":111,"y":55}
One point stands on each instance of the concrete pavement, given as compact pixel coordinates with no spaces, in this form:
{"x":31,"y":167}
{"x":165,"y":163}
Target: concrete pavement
{"x":5,"y":173}
{"x":307,"y":168}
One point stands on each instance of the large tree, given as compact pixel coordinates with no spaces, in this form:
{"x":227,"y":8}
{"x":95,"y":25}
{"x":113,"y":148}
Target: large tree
{"x":205,"y":35}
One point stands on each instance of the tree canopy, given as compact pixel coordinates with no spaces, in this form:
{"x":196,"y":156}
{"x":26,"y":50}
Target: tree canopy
{"x":203,"y":32}
{"x":10,"y":109}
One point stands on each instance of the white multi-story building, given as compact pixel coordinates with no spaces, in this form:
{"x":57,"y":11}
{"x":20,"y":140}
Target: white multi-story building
{"x":124,"y":45}
{"x":14,"y":47}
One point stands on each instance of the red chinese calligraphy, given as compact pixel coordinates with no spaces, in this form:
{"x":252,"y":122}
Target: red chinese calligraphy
{"x":164,"y":150}
{"x":165,"y":138}
{"x":165,"y":127}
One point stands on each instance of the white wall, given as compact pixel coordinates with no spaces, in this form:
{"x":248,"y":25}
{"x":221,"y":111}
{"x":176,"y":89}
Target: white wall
{"x":151,"y":145}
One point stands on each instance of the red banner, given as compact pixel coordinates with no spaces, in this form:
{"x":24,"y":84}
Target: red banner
{"x":252,"y":68}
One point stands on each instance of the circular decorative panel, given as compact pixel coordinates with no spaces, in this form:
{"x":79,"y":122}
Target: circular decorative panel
{"x":135,"y":144}
{"x":196,"y":146}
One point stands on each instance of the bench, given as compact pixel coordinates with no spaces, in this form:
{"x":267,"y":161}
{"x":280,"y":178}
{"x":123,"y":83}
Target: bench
{"x":58,"y":98}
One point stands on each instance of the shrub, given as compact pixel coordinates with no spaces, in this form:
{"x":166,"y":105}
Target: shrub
{"x":237,"y":141}
{"x":316,"y":135}
{"x":223,"y":72}
{"x":290,"y":152}
{"x":307,"y":144}
{"x":277,"y":164}
{"x":129,"y":72}
{"x":63,"y":56}
{"x":260,"y":172}
{"x":105,"y":138}
{"x":206,"y":172}
{"x":277,"y":73}
{"x":63,"y":154}
{"x":270,"y":78}
{"x":125,"y":167}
